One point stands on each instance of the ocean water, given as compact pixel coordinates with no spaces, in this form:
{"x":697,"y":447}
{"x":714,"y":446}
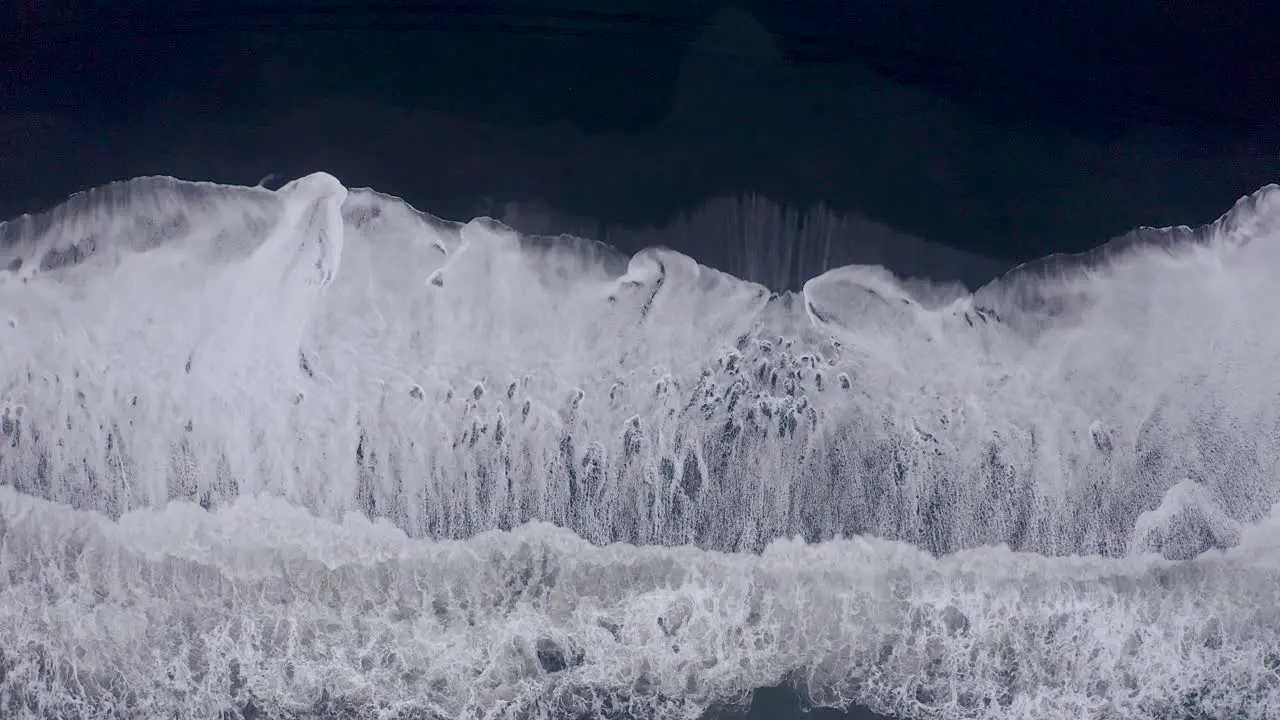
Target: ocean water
{"x":314,"y":453}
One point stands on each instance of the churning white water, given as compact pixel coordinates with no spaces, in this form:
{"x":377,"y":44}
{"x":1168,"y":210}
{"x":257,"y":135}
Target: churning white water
{"x":310,"y":447}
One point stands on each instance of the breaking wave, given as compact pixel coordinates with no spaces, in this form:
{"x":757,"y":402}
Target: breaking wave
{"x":305,"y":448}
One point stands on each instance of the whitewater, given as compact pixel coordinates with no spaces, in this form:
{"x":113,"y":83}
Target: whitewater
{"x":313,"y":451}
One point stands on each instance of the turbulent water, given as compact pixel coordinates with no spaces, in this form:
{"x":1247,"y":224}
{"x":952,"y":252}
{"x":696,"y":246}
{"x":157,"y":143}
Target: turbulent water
{"x":312,"y":451}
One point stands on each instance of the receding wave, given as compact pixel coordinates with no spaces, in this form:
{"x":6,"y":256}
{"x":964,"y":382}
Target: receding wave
{"x":294,"y":447}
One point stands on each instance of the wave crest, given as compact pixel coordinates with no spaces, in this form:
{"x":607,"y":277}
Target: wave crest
{"x":313,"y":448}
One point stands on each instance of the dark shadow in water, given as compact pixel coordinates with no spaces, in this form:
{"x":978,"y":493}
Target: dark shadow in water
{"x":785,"y":703}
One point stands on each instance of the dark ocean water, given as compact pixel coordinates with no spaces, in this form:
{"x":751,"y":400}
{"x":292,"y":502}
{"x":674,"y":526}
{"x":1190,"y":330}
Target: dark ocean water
{"x":783,"y":703}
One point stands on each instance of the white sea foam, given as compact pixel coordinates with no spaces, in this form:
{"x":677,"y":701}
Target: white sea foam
{"x":206,"y":392}
{"x":149,"y":614}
